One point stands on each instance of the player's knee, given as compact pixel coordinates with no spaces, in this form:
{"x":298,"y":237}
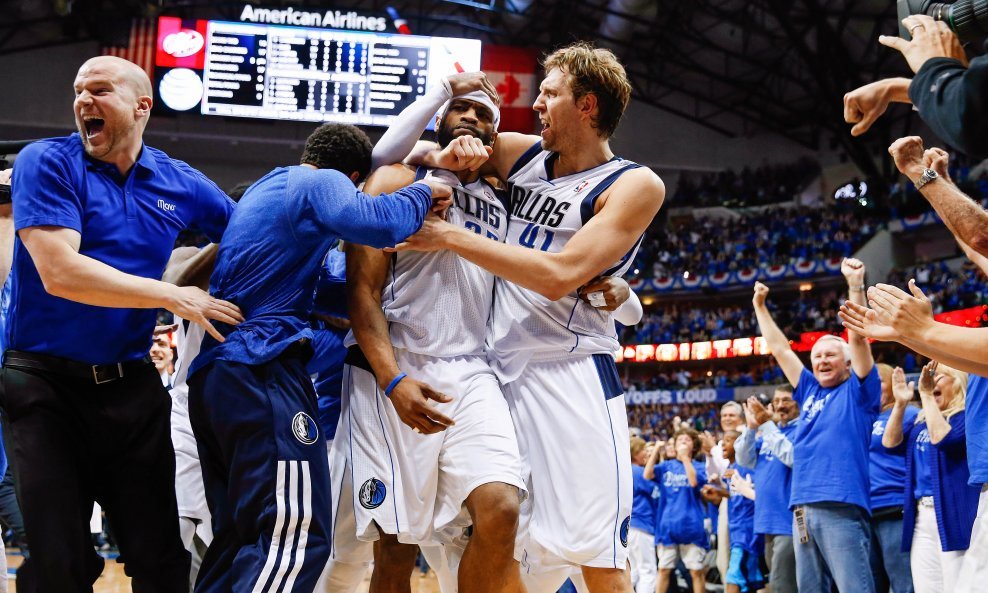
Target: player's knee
{"x":392,"y":555}
{"x":497,"y":515}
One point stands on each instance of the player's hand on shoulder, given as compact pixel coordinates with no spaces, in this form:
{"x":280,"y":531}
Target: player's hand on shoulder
{"x":411,"y":401}
{"x":196,"y":305}
{"x":606,"y":293}
{"x":462,"y":83}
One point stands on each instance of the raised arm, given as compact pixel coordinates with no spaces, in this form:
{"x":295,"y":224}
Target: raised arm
{"x":908,"y":319}
{"x":962,"y":215}
{"x":655,"y":458}
{"x":864,"y":105}
{"x":903,"y":393}
{"x":938,"y":426}
{"x":777,"y":342}
{"x":624,"y":212}
{"x":862,"y":360}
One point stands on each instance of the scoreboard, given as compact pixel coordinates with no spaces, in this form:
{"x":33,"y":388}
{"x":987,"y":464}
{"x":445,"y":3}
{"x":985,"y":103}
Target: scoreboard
{"x":300,"y":73}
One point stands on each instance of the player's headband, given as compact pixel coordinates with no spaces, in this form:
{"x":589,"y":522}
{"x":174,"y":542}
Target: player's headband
{"x":477,"y":97}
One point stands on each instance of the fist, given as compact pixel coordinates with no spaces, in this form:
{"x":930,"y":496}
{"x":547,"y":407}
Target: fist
{"x":761,"y":293}
{"x":908,"y":156}
{"x":938,"y":160}
{"x":853,"y":270}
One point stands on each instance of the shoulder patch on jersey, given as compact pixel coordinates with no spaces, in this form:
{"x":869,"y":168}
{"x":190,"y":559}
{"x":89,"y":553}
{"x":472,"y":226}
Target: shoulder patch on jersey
{"x":372,"y":493}
{"x":305,"y":429}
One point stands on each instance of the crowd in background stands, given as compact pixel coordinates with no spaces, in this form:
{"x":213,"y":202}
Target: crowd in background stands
{"x":776,"y":236}
{"x":668,"y":323}
{"x":767,"y":184}
{"x":655,"y":421}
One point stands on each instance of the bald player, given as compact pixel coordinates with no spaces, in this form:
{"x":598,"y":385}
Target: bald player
{"x":97,"y":216}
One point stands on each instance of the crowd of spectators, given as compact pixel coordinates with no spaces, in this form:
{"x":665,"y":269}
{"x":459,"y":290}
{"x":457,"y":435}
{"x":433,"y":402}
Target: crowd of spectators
{"x":776,"y":236}
{"x":767,"y":184}
{"x":667,"y":323}
{"x":655,"y":421}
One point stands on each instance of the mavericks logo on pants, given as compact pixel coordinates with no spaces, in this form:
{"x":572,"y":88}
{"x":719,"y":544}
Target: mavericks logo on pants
{"x":372,"y":493}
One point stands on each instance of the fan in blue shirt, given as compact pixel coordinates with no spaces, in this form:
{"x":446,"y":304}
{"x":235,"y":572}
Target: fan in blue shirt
{"x":679,"y":531}
{"x":744,"y":573}
{"x":251,"y":400}
{"x":839,"y":400}
{"x":641,"y":536}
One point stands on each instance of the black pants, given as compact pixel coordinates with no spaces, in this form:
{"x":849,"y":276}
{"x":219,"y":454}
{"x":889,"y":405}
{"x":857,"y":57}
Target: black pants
{"x":75,"y":442}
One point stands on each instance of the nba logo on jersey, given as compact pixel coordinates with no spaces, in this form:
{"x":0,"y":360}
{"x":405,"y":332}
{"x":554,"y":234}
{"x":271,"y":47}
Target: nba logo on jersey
{"x":582,"y":186}
{"x":304,"y":429}
{"x":372,"y":493}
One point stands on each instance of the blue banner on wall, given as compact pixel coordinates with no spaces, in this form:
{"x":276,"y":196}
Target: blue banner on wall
{"x":702,"y":395}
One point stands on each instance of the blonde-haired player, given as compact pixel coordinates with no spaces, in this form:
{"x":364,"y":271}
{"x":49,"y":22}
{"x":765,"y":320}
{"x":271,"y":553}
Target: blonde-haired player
{"x":576,"y":212}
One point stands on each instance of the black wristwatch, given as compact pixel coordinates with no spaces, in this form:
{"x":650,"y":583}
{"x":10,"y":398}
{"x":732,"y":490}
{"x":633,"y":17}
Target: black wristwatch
{"x":927,"y":176}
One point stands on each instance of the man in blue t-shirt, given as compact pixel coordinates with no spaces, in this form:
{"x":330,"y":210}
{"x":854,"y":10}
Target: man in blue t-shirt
{"x":97,"y":214}
{"x":641,"y":535}
{"x":839,"y":400}
{"x":770,"y":454}
{"x":251,"y":401}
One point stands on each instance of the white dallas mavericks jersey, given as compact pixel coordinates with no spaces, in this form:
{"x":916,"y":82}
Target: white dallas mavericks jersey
{"x":188,"y":340}
{"x":438,"y":303}
{"x":545,"y":214}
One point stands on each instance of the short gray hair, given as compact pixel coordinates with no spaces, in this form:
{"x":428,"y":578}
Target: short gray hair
{"x":844,"y":346}
{"x":733,"y":404}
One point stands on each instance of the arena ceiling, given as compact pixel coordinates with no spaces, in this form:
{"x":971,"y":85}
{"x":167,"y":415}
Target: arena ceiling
{"x":737,"y":67}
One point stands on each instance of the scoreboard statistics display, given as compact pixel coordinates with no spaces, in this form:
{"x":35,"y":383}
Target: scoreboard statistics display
{"x":300,"y":73}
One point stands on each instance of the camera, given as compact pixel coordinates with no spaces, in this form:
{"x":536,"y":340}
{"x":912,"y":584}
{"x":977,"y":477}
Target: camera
{"x":968,"y":19}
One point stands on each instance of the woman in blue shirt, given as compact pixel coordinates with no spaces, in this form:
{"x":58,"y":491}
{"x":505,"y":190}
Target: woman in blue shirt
{"x":680,"y":533}
{"x":940,"y":507}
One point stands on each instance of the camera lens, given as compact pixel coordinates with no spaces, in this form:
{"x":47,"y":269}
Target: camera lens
{"x":967,"y":18}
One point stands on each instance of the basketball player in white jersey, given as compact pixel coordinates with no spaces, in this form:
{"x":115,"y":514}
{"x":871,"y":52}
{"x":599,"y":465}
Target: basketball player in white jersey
{"x":577,"y":211}
{"x":420,"y":321}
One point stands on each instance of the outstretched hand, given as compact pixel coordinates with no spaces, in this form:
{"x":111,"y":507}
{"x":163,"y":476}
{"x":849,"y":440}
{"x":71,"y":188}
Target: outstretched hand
{"x":196,"y":305}
{"x":930,"y":39}
{"x":902,"y":391}
{"x":867,"y":322}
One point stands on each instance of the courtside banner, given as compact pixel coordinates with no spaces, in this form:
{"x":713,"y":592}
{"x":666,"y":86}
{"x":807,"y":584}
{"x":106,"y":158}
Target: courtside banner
{"x":705,"y":395}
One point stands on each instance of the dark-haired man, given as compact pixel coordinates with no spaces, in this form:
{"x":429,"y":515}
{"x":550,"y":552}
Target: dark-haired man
{"x":251,"y":401}
{"x":576,"y":212}
{"x":767,"y":447}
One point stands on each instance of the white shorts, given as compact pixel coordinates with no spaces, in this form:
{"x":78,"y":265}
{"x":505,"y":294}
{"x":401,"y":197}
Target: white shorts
{"x":414,"y":485}
{"x":346,"y":547}
{"x":573,"y":434}
{"x":694,"y":557}
{"x":189,"y":489}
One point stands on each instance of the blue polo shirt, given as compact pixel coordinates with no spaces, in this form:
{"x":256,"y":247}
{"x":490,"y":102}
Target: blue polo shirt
{"x":328,"y":351}
{"x":773,"y":482}
{"x":887,"y":467}
{"x":830,"y":447}
{"x":644,"y":496}
{"x":976,"y":425}
{"x":129,"y":223}
{"x":680,"y":512}
{"x":270,"y":256}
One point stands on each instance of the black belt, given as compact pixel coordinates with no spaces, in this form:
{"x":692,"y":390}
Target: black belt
{"x":98,"y":373}
{"x":355,"y":358}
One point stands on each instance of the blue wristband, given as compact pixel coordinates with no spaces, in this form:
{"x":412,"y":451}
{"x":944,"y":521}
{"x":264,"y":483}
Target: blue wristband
{"x":394,"y":383}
